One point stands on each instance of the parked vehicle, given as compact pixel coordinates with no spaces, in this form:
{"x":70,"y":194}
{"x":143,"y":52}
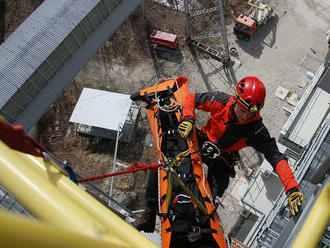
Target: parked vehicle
{"x":247,"y":23}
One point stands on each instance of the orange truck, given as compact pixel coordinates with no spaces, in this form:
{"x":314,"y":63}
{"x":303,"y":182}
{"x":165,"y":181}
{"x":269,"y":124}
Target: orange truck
{"x":246,"y":24}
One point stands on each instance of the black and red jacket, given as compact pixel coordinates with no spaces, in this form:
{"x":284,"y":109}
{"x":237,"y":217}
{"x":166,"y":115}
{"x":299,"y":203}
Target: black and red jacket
{"x":228,"y":134}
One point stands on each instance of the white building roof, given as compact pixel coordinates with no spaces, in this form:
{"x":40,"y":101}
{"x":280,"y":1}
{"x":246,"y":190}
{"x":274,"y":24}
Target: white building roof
{"x":102,"y":109}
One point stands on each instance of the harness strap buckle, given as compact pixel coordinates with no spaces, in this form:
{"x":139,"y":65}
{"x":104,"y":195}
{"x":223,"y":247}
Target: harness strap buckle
{"x":196,"y":229}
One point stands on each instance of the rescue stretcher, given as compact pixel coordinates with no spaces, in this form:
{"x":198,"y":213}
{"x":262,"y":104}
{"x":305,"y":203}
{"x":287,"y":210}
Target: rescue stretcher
{"x":186,"y":207}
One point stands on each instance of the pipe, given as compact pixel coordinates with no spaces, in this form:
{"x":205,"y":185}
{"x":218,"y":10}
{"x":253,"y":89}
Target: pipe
{"x":55,"y":199}
{"x":316,"y":222}
{"x":18,"y":231}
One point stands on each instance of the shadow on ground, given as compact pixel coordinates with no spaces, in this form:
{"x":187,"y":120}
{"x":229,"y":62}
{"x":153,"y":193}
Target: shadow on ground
{"x":264,"y":36}
{"x":225,"y":72}
{"x":172,"y":55}
{"x":242,"y":227}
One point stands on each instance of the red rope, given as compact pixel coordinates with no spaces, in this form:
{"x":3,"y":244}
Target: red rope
{"x":132,"y":168}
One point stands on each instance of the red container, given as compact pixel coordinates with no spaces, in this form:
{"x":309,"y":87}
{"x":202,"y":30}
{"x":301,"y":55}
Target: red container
{"x":164,"y":39}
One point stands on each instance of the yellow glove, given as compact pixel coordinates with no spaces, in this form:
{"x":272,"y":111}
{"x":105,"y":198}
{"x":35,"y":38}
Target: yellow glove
{"x":185,"y":128}
{"x":295,"y":199}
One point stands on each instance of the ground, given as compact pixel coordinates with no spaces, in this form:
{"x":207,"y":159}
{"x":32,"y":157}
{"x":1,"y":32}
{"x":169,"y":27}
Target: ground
{"x":126,"y":64}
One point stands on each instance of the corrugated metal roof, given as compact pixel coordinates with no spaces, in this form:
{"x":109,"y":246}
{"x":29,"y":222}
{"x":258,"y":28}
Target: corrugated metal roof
{"x":25,"y":58}
{"x":100,"y":108}
{"x":35,"y":39}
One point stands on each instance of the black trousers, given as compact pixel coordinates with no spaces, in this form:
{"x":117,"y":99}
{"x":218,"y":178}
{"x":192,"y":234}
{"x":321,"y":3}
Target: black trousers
{"x":219,"y":172}
{"x":219,"y":169}
{"x":151,"y":195}
{"x":217,"y":176}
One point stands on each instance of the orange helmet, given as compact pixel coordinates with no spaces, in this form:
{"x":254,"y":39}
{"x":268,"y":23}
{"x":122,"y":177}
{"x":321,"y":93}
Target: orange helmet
{"x":250,"y":94}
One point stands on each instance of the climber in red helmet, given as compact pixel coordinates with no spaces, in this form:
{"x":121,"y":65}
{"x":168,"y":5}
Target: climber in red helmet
{"x":235,"y":123}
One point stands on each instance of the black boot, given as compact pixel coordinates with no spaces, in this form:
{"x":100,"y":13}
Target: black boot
{"x":146,"y":222}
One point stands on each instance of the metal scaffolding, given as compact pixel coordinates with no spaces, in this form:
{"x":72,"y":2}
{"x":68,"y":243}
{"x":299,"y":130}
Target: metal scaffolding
{"x":206,"y":31}
{"x":205,"y":28}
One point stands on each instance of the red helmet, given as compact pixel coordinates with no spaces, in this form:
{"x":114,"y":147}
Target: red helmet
{"x":250,"y":94}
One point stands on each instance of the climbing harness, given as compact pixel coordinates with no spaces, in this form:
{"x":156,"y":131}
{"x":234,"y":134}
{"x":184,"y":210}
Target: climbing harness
{"x":172,"y":174}
{"x":210,"y":150}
